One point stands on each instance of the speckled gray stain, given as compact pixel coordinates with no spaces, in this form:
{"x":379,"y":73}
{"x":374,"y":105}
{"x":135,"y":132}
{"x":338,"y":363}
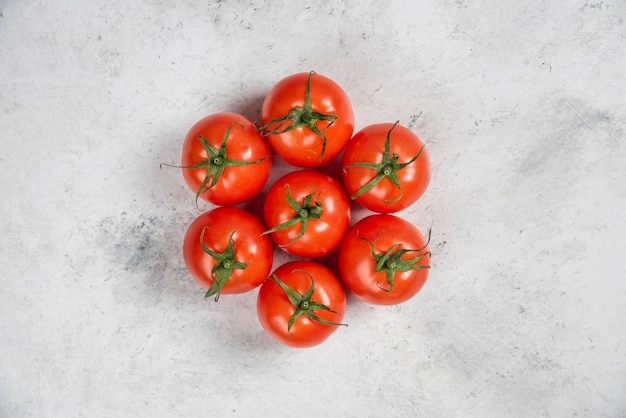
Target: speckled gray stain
{"x":574,"y":121}
{"x":138,"y":243}
{"x":145,"y":253}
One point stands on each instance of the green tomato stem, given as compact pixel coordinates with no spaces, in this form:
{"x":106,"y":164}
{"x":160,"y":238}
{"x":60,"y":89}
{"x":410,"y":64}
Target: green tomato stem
{"x":310,"y":209}
{"x":217,"y":160}
{"x":299,"y":117}
{"x":224,"y":264}
{"x":387,"y":169}
{"x":303,"y":304}
{"x":390,"y":261}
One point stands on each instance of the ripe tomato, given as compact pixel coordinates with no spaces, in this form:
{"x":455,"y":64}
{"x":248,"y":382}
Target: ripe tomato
{"x":307,"y":212}
{"x":225,"y":252}
{"x":307,"y":119}
{"x":384,"y":260}
{"x":301,"y":304}
{"x":386,"y":168}
{"x":225,"y":160}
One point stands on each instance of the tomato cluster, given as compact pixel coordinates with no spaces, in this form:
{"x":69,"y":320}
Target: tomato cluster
{"x":307,"y":121}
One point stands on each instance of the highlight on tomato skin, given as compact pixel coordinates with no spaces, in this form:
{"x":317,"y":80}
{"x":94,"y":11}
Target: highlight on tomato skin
{"x":307,"y":119}
{"x":225,"y":252}
{"x":301,"y":304}
{"x":385,"y":168}
{"x":384,"y":260}
{"x":224,"y":160}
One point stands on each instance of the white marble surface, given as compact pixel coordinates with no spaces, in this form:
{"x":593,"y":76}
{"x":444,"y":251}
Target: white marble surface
{"x":521,"y":104}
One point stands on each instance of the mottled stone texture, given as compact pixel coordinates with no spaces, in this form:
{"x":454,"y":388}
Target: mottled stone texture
{"x":521,"y":105}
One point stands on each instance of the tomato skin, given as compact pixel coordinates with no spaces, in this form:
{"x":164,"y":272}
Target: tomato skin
{"x":321,"y":235}
{"x":367,"y":145}
{"x":300,"y":146}
{"x":274,"y":308}
{"x":357,"y":267}
{"x":236,"y":184}
{"x":251,"y":248}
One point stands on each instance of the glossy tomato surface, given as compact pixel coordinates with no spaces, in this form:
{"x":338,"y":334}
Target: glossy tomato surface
{"x":321,"y":234}
{"x":246,"y":165}
{"x":301,"y":146}
{"x":223,"y":226}
{"x":274,"y":309}
{"x":368,"y":146}
{"x":358,"y":266}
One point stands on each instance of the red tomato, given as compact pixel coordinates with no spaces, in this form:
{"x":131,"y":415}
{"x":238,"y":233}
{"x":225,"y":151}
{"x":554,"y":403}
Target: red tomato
{"x":384,"y":260}
{"x":225,"y":252}
{"x":225,"y":160}
{"x":301,"y":304}
{"x":307,"y":119}
{"x":307,"y":212}
{"x":386,"y":168}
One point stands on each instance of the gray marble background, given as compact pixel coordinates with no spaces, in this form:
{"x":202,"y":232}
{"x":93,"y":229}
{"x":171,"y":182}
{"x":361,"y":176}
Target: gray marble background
{"x":521,"y":105}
